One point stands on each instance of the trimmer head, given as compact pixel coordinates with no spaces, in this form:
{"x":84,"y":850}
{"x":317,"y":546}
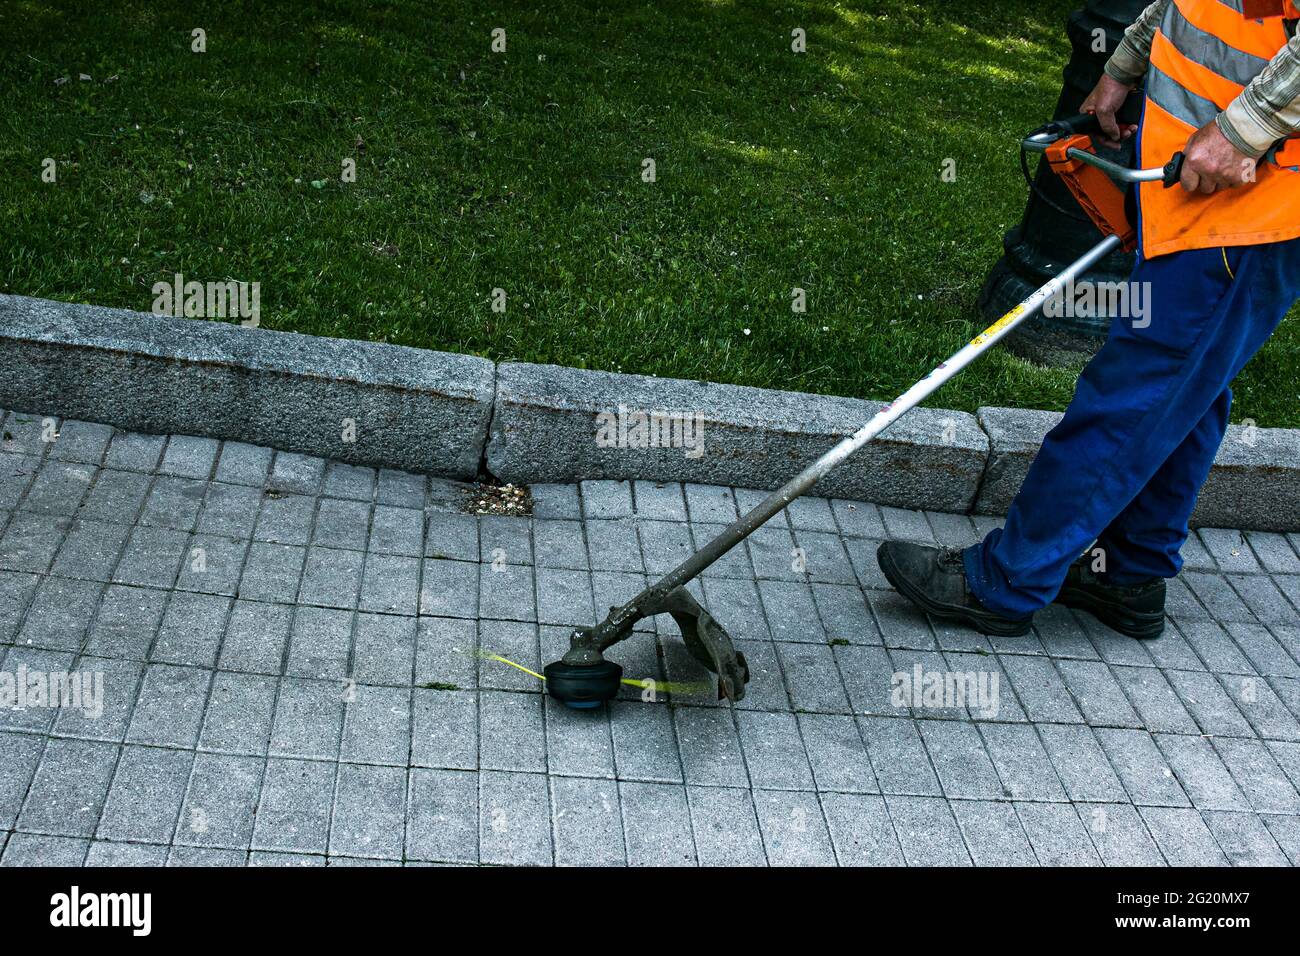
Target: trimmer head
{"x":583,"y":686}
{"x":584,"y":679}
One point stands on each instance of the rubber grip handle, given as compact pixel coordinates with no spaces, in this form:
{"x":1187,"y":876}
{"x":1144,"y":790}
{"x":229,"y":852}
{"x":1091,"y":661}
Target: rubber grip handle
{"x":1074,"y":125}
{"x":1174,"y":170}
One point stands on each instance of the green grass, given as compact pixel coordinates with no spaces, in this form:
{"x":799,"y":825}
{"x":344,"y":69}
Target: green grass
{"x":522,"y":171}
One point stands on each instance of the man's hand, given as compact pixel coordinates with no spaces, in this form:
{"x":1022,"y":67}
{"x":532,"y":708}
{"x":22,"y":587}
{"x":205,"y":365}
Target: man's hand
{"x":1104,"y":101}
{"x":1212,"y":163}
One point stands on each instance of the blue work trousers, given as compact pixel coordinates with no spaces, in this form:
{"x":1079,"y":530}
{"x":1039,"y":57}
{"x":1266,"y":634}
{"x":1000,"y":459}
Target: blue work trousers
{"x":1125,"y":464}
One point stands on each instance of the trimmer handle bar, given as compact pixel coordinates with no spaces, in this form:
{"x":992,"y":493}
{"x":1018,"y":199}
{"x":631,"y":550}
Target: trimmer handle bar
{"x":1086,"y":124}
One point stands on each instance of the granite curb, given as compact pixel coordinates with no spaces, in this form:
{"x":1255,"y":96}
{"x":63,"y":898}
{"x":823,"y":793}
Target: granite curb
{"x":461,"y":416}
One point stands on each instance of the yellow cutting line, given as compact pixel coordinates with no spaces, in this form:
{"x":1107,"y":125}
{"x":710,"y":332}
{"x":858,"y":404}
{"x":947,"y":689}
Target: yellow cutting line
{"x":692,"y":688}
{"x":695,"y":687}
{"x":497,"y":657}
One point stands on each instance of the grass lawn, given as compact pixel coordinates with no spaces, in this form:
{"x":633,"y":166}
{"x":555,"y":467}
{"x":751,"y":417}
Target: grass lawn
{"x":522,"y":170}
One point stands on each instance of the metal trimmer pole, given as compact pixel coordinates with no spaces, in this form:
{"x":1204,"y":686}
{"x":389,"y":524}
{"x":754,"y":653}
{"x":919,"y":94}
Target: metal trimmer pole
{"x":587,"y":643}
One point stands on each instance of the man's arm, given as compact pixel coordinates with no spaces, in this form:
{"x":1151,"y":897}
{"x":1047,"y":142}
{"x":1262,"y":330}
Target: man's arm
{"x":1222,"y":153}
{"x":1125,"y":67}
{"x":1268,"y":108}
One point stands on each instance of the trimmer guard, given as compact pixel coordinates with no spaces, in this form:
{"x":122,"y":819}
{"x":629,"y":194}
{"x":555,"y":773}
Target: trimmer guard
{"x":708,"y":642}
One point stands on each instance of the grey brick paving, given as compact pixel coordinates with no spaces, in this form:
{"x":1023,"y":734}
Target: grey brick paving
{"x":587,"y":822}
{"x":1253,"y":767}
{"x":1182,"y":836}
{"x":256,"y":637}
{"x":285,"y":518}
{"x":60,"y":615}
{"x":29,"y":849}
{"x":320,"y":643}
{"x":861,"y":830}
{"x":515,"y":819}
{"x":170,"y":707}
{"x":220,"y":802}
{"x":152,"y":557}
{"x":297,"y":473}
{"x":836,"y":754}
{"x":1149,"y":780}
{"x":898,"y":756}
{"x":369,"y":812}
{"x":927,"y":832}
{"x":1214,"y":711}
{"x":377,"y":726}
{"x":710,"y":748}
{"x":645,"y":743}
{"x":1057,"y":835}
{"x":576,"y":746}
{"x":1040,"y":690}
{"x":108,"y":853}
{"x":1244,"y":839}
{"x":1286,"y":831}
{"x":556,"y":501}
{"x":725,"y":827}
{"x":308,"y":718}
{"x":239,"y":714}
{"x":713,"y":504}
{"x":384,"y":649}
{"x":81,"y":441}
{"x":68,"y":790}
{"x":180,"y":855}
{"x":390,"y":585}
{"x":1119,"y":834}
{"x":1022,"y":764}
{"x":606,"y":499}
{"x":993,"y":833}
{"x":1083,"y":767}
{"x":962,"y":763}
{"x":402,"y":489}
{"x":656,"y":824}
{"x":189,"y":457}
{"x":19,"y":755}
{"x":794,"y":831}
{"x":294,"y":807}
{"x":442,"y":816}
{"x":293,"y":657}
{"x":1207,"y":782}
{"x":512,"y":732}
{"x":774,"y":752}
{"x":243,"y":464}
{"x":444,"y":729}
{"x":144,"y":802}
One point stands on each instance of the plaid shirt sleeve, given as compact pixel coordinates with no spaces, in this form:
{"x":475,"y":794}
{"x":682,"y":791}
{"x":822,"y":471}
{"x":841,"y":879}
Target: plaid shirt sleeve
{"x":1269,"y":107}
{"x":1267,"y":110}
{"x":1128,"y":63}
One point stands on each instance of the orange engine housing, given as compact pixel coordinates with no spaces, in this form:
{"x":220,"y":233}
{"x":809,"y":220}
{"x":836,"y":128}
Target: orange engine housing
{"x":1098,"y":196}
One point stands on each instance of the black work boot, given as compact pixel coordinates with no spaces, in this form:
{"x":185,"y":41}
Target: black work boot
{"x":1137,"y":610}
{"x":934,"y":579}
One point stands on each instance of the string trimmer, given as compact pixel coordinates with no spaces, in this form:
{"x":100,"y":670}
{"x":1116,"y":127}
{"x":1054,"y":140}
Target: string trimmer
{"x":583,"y":678}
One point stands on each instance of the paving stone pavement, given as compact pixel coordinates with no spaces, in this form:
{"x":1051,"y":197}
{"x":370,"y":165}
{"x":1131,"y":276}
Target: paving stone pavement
{"x":291,"y":653}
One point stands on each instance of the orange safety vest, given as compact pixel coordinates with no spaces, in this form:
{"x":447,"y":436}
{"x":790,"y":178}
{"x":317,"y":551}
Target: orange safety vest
{"x":1203,"y":55}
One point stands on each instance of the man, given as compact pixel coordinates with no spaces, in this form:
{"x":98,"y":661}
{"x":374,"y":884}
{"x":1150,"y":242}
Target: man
{"x":1122,"y":470}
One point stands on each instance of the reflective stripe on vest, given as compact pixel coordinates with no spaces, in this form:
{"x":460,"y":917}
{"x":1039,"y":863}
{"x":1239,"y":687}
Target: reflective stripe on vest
{"x":1203,"y":54}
